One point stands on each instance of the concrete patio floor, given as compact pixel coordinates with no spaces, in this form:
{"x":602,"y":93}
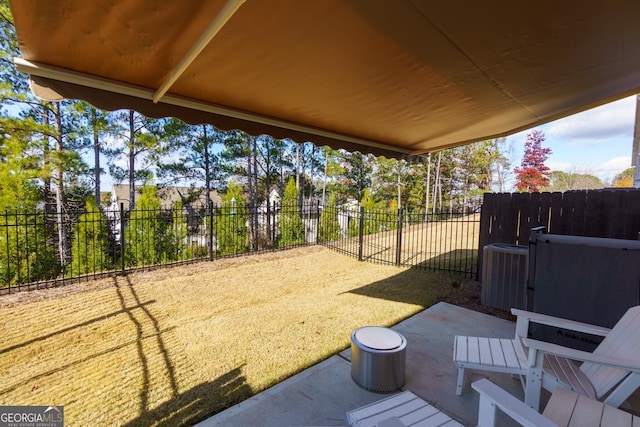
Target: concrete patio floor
{"x":322,"y":394}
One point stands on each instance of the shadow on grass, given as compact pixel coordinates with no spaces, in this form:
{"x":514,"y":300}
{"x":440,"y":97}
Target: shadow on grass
{"x":98,"y":319}
{"x":133,"y":312}
{"x":184,"y":408}
{"x":126,"y":309}
{"x":419,"y":285}
{"x":198,"y":403}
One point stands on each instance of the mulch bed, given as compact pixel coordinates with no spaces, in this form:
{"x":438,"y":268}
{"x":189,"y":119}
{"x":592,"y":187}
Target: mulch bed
{"x":467,"y":295}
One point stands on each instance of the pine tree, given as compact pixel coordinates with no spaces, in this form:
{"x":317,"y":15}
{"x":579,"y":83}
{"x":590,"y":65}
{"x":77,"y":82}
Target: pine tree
{"x":24,"y":250}
{"x":291,"y":226}
{"x":375,"y":214}
{"x":231,"y":223}
{"x":50,"y":131}
{"x":142,"y":142}
{"x":353,"y":175}
{"x":329,"y":227}
{"x":390,"y":179}
{"x":146,"y":233}
{"x":194,"y":156}
{"x":177,"y":242}
{"x":19,"y":168}
{"x":90,"y":249}
{"x":533,"y":174}
{"x":93,"y":127}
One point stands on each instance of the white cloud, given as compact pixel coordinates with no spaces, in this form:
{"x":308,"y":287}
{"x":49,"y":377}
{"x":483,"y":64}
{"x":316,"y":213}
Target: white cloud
{"x":612,"y":167}
{"x":597,"y":125}
{"x":561,"y":166}
{"x":121,"y":162}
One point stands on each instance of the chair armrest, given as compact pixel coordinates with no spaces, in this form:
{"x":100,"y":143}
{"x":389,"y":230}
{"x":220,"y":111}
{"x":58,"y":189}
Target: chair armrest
{"x":492,"y":396}
{"x":559,"y":322}
{"x":583,"y":356}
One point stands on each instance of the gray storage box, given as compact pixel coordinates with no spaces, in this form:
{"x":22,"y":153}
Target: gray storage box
{"x":587,"y":279}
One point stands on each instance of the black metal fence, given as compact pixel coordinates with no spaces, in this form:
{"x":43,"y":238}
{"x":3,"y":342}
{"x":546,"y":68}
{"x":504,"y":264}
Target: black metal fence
{"x":41,"y":250}
{"x":445,"y":241}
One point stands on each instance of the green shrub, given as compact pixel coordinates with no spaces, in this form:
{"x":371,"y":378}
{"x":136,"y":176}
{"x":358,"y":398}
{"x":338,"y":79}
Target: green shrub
{"x":291,"y":227}
{"x":90,"y":250}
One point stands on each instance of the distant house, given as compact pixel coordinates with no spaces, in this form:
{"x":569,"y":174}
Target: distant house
{"x":347,"y":212}
{"x":309,"y":213}
{"x":193,"y":207}
{"x":193,"y":198}
{"x":274,"y":200}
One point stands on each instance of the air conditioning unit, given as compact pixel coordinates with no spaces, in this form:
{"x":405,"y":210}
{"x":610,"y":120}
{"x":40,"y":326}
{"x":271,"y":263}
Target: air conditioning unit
{"x":504,"y":276}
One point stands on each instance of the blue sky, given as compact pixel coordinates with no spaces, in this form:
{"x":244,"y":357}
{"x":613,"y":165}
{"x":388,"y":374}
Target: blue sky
{"x":598,"y":141}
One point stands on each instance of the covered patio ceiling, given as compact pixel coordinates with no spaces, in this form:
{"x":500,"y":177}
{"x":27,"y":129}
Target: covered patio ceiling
{"x":391,"y":77}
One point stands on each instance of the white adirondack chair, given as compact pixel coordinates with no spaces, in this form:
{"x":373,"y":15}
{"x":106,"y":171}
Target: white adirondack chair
{"x":565,"y":408}
{"x":610,"y":374}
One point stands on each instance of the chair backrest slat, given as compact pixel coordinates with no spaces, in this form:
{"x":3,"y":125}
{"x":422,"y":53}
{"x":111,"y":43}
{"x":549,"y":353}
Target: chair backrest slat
{"x":624,"y":342}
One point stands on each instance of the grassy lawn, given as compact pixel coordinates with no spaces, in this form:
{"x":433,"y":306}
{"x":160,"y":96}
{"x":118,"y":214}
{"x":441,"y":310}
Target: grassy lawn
{"x":174,"y":346}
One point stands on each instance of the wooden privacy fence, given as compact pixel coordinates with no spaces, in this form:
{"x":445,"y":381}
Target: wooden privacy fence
{"x":509,"y":217}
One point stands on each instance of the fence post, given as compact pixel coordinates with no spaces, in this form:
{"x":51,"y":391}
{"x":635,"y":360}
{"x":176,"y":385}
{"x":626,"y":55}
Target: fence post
{"x":273,"y":224}
{"x":122,"y":237}
{"x":317,"y":221}
{"x":399,"y":238}
{"x":6,"y":231}
{"x":361,"y":233}
{"x":210,"y":237}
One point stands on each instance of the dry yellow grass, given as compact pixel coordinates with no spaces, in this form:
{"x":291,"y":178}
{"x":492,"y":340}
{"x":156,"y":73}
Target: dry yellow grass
{"x":174,"y":346}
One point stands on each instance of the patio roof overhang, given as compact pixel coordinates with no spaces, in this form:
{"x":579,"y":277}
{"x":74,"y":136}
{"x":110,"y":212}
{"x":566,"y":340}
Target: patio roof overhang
{"x":394,"y":78}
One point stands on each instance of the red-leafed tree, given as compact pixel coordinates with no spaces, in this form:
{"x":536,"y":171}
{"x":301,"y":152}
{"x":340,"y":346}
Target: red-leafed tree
{"x":533,"y":174}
